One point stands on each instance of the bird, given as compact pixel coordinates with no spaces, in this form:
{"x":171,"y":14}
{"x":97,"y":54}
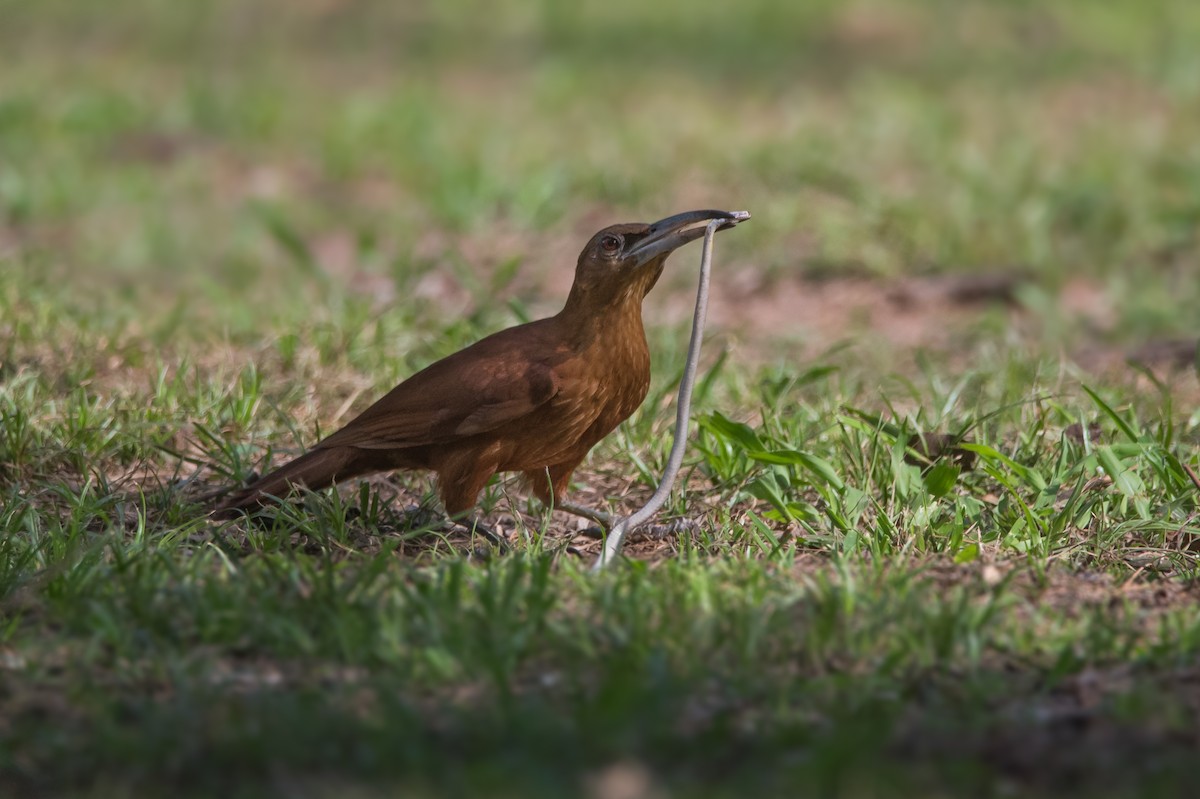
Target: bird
{"x":533,"y":399}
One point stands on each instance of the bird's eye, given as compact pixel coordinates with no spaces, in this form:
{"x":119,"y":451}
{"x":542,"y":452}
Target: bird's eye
{"x":610,"y":244}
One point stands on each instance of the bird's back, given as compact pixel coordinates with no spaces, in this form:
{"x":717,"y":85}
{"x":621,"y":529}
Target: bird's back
{"x":497,"y":379}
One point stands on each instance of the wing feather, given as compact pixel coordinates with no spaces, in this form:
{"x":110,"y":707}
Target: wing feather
{"x":489,"y":384}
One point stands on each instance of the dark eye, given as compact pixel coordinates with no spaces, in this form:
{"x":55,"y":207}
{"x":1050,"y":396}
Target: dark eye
{"x":610,"y":244}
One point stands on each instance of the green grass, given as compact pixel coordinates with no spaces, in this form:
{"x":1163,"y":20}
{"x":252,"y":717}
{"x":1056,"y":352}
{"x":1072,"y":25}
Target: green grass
{"x":226,"y":227}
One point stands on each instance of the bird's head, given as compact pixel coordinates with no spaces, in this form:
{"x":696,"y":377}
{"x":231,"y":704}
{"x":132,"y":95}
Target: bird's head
{"x":625,"y":261}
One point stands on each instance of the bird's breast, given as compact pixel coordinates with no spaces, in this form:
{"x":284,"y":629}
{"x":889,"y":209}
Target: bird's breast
{"x":599,"y":388}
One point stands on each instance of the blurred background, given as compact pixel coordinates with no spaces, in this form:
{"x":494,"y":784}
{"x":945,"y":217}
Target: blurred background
{"x":930,"y":175}
{"x":225,"y":225}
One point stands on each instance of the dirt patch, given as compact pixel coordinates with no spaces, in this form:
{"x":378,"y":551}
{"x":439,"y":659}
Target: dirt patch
{"x":914,"y":313}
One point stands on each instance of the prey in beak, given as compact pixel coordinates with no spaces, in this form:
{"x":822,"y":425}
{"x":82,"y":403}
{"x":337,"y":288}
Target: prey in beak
{"x":669,"y":234}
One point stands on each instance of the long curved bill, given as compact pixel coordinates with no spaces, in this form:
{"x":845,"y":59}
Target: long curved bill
{"x":673,"y":232}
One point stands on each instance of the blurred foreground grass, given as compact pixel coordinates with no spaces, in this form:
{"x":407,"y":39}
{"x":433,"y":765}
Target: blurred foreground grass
{"x":224,"y":226}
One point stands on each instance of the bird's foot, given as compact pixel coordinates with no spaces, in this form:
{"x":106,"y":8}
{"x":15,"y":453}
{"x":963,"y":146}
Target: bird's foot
{"x":477,"y":526}
{"x":604,"y":520}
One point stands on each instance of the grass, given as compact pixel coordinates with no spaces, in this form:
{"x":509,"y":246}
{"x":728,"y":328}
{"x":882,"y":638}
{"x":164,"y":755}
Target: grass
{"x":226,"y":228}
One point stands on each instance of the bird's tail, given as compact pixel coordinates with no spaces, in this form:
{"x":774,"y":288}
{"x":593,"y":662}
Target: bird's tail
{"x":313,"y":470}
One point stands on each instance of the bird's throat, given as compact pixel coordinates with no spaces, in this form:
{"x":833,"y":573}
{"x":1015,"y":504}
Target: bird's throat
{"x":589,"y":320}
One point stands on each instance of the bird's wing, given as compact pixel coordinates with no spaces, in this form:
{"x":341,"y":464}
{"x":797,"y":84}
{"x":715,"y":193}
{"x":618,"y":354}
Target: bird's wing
{"x":472,"y":391}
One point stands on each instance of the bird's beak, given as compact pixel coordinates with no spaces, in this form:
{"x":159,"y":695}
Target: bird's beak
{"x":673,"y":232}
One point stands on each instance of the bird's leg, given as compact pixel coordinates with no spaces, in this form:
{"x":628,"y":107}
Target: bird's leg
{"x":551,"y":483}
{"x":460,"y":480}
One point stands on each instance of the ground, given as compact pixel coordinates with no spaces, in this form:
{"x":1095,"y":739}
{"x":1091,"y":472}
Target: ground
{"x":937,"y":530}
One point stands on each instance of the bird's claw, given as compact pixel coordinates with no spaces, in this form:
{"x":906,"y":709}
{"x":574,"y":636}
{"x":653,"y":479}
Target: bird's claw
{"x":605,"y":520}
{"x":477,"y":526}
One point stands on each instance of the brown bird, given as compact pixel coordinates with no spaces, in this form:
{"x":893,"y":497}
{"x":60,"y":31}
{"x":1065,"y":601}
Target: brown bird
{"x":534,"y":398}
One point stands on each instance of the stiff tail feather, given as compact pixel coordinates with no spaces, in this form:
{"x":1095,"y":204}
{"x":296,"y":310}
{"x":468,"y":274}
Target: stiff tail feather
{"x":313,"y":470}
